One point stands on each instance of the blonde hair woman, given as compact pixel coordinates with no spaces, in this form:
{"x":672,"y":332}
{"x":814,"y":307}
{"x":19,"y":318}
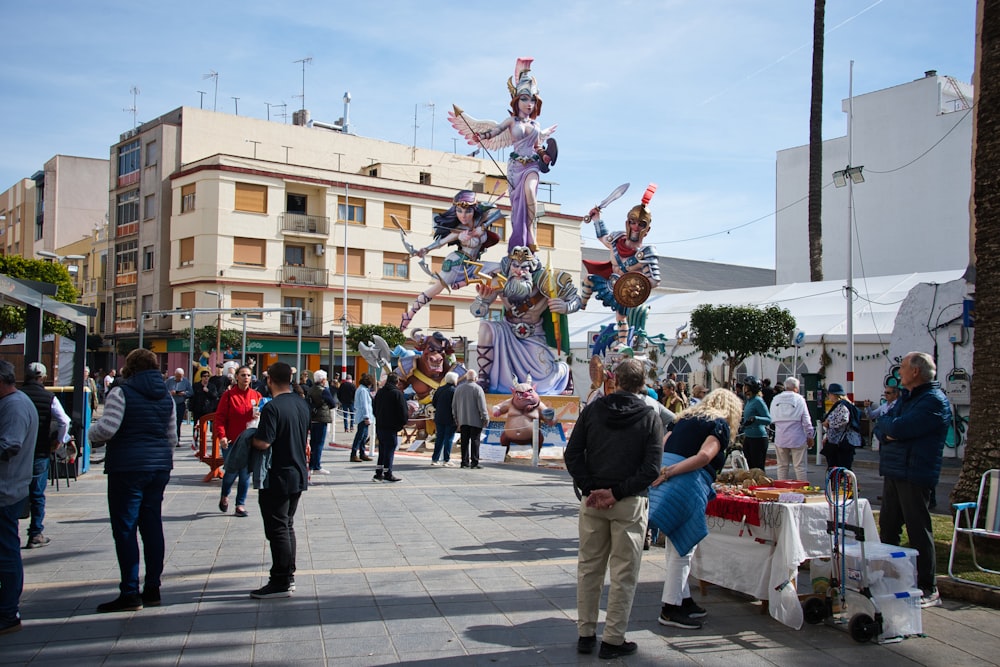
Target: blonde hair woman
{"x":694,"y":453}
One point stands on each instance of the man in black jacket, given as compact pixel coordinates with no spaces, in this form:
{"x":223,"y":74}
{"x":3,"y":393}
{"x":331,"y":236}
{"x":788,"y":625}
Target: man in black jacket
{"x":345,"y":394}
{"x":614,"y":455}
{"x":391,"y":414}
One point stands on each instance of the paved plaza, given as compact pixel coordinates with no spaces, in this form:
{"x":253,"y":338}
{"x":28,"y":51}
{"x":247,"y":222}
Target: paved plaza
{"x":447,"y":567}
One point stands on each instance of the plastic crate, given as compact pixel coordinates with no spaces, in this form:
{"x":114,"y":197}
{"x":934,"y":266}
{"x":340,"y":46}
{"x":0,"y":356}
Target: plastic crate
{"x":901,"y":613}
{"x":891,"y":569}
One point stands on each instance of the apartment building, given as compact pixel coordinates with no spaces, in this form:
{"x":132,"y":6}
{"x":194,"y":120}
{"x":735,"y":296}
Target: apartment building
{"x":215,"y":211}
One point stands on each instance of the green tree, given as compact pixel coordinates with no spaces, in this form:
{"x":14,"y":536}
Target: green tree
{"x":12,"y":317}
{"x":204,"y":338}
{"x":363,"y":333}
{"x":740,"y":331}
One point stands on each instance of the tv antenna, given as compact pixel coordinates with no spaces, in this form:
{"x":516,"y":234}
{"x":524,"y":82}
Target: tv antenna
{"x":304,"y":61}
{"x":134,"y":108}
{"x":212,"y":74}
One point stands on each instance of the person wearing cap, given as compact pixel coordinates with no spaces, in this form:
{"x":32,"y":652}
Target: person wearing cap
{"x":843,"y":430}
{"x":180,"y":389}
{"x":51,"y":417}
{"x":756,"y":418}
{"x":18,"y":430}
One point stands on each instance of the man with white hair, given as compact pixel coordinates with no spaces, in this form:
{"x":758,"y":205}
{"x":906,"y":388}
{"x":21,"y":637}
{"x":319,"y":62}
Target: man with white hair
{"x":51,"y":416}
{"x":180,"y":389}
{"x":793,"y":429}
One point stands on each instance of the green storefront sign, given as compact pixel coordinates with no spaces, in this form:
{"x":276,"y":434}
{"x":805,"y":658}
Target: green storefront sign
{"x":256,"y":346}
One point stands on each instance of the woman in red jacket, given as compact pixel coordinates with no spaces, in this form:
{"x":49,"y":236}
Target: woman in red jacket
{"x":236,"y":409}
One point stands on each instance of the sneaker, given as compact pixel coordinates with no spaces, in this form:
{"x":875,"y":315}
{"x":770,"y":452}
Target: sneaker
{"x":612,"y":651}
{"x":291,"y":583}
{"x":272,"y":591}
{"x":389,"y":477}
{"x":932,"y":600}
{"x":436,"y":463}
{"x":150,"y":597}
{"x":321,"y":471}
{"x":131,"y":602}
{"x":691,"y":608}
{"x":377,"y":477}
{"x":10,"y":628}
{"x":448,"y":464}
{"x":675,"y":616}
{"x":585,"y":645}
{"x":37,"y":542}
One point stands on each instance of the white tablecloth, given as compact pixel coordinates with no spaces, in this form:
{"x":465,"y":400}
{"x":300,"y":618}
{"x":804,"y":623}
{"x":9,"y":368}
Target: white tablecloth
{"x":761,"y":560}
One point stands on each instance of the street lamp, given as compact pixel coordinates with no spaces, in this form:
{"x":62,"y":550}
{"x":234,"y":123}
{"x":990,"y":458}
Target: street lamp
{"x":849,"y":176}
{"x":218,"y":327}
{"x":73,"y":269}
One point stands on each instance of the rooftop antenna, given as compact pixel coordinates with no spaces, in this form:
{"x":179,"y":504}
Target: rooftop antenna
{"x":212,"y":74}
{"x":201,"y":99}
{"x":284,"y":111}
{"x":236,"y":101}
{"x":307,"y":59}
{"x":133,"y":109}
{"x":431,"y":105}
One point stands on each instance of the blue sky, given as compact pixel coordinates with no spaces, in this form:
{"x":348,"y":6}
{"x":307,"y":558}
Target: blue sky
{"x":694,"y":96}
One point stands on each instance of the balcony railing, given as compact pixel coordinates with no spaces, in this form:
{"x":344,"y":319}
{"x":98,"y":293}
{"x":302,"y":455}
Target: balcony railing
{"x":302,"y":275}
{"x":300,"y":223}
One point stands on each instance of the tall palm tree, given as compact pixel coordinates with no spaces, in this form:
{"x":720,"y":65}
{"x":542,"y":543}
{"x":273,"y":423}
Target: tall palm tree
{"x":981,"y":452}
{"x":816,"y":148}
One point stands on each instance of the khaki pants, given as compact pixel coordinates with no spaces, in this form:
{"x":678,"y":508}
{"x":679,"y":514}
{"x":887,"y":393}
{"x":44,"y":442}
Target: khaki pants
{"x":792,"y":459}
{"x":612,"y":540}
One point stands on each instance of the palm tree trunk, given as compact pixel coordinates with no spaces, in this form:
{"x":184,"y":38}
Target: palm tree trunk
{"x":982,"y":452}
{"x":816,"y":148}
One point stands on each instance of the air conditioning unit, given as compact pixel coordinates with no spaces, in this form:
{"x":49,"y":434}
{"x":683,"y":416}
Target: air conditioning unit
{"x":307,"y":319}
{"x":320,"y":249}
{"x":288,"y":319}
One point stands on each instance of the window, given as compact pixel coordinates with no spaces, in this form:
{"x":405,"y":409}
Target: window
{"x":124,"y":309}
{"x":354,"y":309}
{"x":128,"y":166}
{"x":295,"y":255}
{"x":187,"y":300}
{"x":147,"y":258}
{"x":680,"y":366}
{"x":187,"y":197}
{"x":402,"y":213}
{"x":248,"y":300}
{"x":785,"y":370}
{"x":373,"y":172}
{"x":546,"y":235}
{"x":248,"y":252}
{"x":187,"y":251}
{"x":147,"y":303}
{"x":251,"y":198}
{"x":396,"y":265}
{"x":127,"y":213}
{"x":355,"y":262}
{"x":393,"y":311}
{"x":425,"y":178}
{"x":126,"y":263}
{"x":353,"y":211}
{"x":295,"y":203}
{"x":149,"y":207}
{"x":39,"y":226}
{"x":500,"y":228}
{"x":152,"y":153}
{"x":441,"y":317}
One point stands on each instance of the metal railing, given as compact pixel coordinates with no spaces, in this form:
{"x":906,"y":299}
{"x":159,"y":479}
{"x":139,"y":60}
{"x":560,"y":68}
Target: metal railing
{"x":304,"y":224}
{"x":303,"y":275}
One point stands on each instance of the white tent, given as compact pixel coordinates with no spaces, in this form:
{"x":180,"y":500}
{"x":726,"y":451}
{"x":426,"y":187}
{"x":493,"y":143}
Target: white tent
{"x":820,"y":312}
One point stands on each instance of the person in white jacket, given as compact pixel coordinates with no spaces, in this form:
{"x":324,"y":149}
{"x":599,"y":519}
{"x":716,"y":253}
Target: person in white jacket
{"x":793,"y":429}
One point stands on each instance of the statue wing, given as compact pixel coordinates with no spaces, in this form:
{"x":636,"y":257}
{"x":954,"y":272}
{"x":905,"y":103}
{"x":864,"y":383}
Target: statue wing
{"x":468,"y":127}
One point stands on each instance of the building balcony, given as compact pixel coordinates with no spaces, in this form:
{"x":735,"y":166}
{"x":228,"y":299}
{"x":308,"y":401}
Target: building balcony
{"x":302,"y":275}
{"x":300,"y":223}
{"x":310,"y":325}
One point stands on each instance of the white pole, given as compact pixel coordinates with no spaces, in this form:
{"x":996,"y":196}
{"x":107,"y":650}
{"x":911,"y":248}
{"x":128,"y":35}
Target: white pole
{"x":849,"y":388}
{"x":343,"y":319}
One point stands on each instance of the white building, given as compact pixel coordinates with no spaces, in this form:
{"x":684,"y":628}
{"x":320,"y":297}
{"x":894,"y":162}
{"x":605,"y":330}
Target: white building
{"x":914,"y":142}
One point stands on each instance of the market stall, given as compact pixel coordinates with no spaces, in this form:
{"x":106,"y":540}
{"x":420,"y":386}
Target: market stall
{"x":756,"y":548}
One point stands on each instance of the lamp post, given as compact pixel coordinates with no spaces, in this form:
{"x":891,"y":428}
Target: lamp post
{"x":218,"y":327}
{"x":849,"y":176}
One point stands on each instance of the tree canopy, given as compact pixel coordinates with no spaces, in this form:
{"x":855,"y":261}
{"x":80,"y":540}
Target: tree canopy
{"x":363,"y":334}
{"x":740,"y":331}
{"x":12,"y":317}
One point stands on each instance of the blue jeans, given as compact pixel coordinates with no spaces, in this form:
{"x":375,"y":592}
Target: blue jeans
{"x":348,"y":410}
{"x":36,"y":492}
{"x":135,"y":501}
{"x":360,"y":438}
{"x":11,"y":568}
{"x":443,"y":441}
{"x":230,"y":476}
{"x":317,"y":441}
